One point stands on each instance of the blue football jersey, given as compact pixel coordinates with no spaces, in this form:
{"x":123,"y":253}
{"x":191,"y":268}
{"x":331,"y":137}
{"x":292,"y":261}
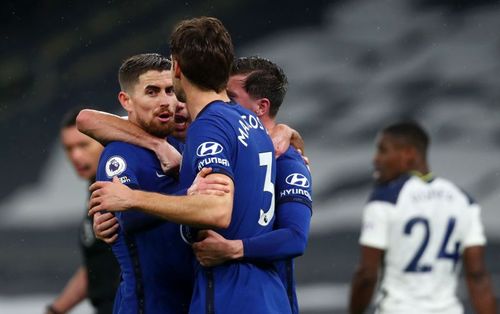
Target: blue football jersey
{"x":155,"y":263}
{"x":293,"y":185}
{"x":177,"y":144}
{"x":232,"y":141}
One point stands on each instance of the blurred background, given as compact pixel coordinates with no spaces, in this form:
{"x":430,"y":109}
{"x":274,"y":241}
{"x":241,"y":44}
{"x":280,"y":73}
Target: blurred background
{"x":353,"y":67}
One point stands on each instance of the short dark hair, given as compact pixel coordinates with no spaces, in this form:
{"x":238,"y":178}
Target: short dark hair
{"x":133,"y":67}
{"x":412,"y":133}
{"x":264,"y":79}
{"x":69,"y":118}
{"x":204,"y":51}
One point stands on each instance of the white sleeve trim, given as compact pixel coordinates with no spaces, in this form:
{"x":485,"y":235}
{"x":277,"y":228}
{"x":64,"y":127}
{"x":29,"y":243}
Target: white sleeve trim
{"x":375,"y":226}
{"x":475,"y":233}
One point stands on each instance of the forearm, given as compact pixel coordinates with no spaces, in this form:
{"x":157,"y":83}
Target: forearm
{"x":275,"y":245}
{"x":201,"y":211}
{"x":481,"y":293}
{"x":288,"y":240}
{"x":362,"y":288}
{"x":105,"y":127}
{"x":478,"y":280}
{"x":73,"y":293}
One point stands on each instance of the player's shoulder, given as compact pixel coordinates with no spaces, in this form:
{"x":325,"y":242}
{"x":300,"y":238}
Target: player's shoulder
{"x":224,"y":111}
{"x":124,"y":148}
{"x":389,"y":192}
{"x":291,"y":154}
{"x":293,"y":179}
{"x":118,"y":156}
{"x":452,"y":187}
{"x":219,"y":109}
{"x":291,"y":160}
{"x":216,"y":114}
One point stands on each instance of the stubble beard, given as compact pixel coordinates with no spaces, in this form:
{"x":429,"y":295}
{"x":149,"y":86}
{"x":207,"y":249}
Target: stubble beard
{"x":160,"y":130}
{"x":179,"y":92}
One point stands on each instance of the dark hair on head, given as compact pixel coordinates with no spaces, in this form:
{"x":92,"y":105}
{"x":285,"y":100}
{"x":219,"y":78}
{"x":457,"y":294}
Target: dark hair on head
{"x":412,"y":133}
{"x":264,"y":79}
{"x":204,"y":51}
{"x":69,"y":118}
{"x":135,"y":66}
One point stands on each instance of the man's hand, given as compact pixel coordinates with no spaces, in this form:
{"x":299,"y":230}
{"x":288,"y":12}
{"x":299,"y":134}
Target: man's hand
{"x":213,"y":249}
{"x":304,"y":158}
{"x":168,"y":156}
{"x":281,"y":135}
{"x":209,"y":185}
{"x":110,"y":196}
{"x":105,"y":227}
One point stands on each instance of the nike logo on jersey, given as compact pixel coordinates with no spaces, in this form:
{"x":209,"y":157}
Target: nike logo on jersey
{"x":160,"y":175}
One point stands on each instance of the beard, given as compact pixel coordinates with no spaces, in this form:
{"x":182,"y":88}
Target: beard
{"x":178,"y":91}
{"x":160,"y":130}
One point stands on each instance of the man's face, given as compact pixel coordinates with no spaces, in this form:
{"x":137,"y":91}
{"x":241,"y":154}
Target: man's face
{"x":82,"y":151}
{"x":391,"y":158}
{"x":152,"y":103}
{"x":178,"y":90}
{"x":236,"y":91}
{"x":182,"y":121}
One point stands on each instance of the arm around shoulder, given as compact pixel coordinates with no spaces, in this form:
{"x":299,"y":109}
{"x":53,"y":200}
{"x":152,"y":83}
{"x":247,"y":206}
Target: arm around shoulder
{"x":283,"y":136}
{"x":95,"y":123}
{"x":204,"y":211}
{"x":105,"y":127}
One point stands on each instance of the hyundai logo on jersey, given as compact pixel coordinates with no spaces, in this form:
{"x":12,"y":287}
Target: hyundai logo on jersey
{"x":297,"y":179}
{"x":208,"y":148}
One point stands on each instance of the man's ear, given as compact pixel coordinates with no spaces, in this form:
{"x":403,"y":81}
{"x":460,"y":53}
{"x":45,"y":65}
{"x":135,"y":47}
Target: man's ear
{"x":263,"y":107}
{"x":176,"y":69}
{"x":409,"y":155}
{"x":124,"y":99}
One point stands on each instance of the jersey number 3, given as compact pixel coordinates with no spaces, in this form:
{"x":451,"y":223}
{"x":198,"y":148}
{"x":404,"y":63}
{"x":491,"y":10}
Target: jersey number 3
{"x":266,"y":160}
{"x":414,"y":265}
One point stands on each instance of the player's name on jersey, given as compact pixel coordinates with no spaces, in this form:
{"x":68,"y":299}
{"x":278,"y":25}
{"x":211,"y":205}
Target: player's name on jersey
{"x":247,"y":123}
{"x":425,"y":195}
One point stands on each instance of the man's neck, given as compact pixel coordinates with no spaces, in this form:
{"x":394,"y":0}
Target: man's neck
{"x":268,"y":122}
{"x":197,"y":99}
{"x":421,"y":166}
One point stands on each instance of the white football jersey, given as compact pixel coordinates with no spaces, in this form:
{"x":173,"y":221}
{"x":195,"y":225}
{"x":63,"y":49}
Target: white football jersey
{"x":423,"y":227}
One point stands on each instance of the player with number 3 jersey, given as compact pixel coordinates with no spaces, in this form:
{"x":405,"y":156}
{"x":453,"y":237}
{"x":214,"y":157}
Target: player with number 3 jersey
{"x":232,"y":141}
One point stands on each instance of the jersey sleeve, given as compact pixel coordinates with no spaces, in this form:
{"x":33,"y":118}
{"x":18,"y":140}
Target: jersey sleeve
{"x":475,"y":233}
{"x":375,"y":225}
{"x":288,"y":240}
{"x":118,"y":161}
{"x":293,"y":182}
{"x":178,"y":145}
{"x":121,"y":160}
{"x":210,"y":146}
